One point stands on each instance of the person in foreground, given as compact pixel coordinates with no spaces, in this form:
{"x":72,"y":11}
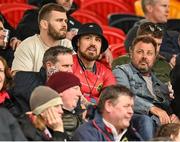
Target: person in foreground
{"x":46,"y":108}
{"x":112,"y":118}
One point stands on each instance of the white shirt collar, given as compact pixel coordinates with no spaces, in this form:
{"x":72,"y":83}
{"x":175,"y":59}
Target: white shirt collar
{"x":117,"y":137}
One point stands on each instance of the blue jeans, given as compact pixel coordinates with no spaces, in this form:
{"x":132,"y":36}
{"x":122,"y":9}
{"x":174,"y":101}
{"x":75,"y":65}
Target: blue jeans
{"x":144,"y":125}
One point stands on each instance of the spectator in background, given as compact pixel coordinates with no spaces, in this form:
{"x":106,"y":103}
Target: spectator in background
{"x":52,"y":22}
{"x":112,"y":119}
{"x":28,"y":26}
{"x":152,"y":100}
{"x":55,"y":59}
{"x":89,"y":43}
{"x":171,"y":130}
{"x":68,"y":87}
{"x":156,"y":11}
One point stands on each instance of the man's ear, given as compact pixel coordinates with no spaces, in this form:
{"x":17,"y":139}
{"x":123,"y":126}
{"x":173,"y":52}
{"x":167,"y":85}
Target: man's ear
{"x":44,"y":24}
{"x":149,"y":8}
{"x":49,"y":64}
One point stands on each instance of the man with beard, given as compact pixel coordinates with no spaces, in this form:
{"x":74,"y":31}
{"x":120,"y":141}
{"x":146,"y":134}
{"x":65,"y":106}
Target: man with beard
{"x":152,"y":104}
{"x":52,"y":22}
{"x":89,"y":43}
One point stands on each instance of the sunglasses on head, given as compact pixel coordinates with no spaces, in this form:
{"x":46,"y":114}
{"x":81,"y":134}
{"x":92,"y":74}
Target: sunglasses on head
{"x":154,"y":28}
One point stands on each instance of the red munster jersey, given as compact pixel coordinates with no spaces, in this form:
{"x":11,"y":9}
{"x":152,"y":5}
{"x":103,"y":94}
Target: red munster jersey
{"x":92,"y":82}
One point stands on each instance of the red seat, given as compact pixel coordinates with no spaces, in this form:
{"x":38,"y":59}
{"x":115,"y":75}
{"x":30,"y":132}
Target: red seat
{"x":13,"y":12}
{"x":117,"y":50}
{"x":104,"y":7}
{"x":113,"y":35}
{"x":13,"y":1}
{"x":85,"y":16}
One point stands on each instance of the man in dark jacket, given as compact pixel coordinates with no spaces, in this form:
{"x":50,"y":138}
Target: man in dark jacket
{"x":55,"y":59}
{"x":112,"y":119}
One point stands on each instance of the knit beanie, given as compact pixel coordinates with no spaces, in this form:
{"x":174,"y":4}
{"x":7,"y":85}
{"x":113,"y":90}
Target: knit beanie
{"x":61,"y":81}
{"x":42,"y":98}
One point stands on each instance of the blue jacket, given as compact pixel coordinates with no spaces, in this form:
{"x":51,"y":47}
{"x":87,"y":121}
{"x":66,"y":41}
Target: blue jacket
{"x":95,"y":130}
{"x":130,"y":77}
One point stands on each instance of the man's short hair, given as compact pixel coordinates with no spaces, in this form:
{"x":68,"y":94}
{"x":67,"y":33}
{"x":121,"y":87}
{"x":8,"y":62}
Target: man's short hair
{"x":144,"y":39}
{"x":46,"y":10}
{"x":52,"y":53}
{"x":112,"y":93}
{"x":149,"y":28}
{"x":144,"y":4}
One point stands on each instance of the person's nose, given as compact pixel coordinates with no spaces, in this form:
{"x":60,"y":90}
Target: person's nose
{"x":93,"y":41}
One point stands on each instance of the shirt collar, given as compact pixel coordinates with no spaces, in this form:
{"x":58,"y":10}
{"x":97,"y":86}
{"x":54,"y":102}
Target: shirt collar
{"x":111,"y":129}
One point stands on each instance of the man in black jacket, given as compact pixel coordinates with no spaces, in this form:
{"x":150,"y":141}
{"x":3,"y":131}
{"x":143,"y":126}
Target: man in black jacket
{"x":55,"y":59}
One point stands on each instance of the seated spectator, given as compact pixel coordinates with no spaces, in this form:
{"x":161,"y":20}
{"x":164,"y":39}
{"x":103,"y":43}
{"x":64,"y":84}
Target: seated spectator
{"x":68,"y":87}
{"x":53,"y":27}
{"x":161,"y":67}
{"x":46,"y":106}
{"x":10,"y":129}
{"x":112,"y":119}
{"x":171,"y":130}
{"x":28,"y":26}
{"x":152,"y":102}
{"x":55,"y":59}
{"x":89,"y":43}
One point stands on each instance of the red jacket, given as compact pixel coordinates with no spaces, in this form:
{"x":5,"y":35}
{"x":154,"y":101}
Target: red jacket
{"x":93,"y":82}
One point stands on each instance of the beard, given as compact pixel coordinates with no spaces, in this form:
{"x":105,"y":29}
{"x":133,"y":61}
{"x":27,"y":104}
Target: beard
{"x":54,"y":34}
{"x":88,"y":56}
{"x":144,"y":68}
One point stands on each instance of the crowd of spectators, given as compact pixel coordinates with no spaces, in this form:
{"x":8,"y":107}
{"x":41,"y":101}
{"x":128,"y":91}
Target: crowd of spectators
{"x":54,"y":85}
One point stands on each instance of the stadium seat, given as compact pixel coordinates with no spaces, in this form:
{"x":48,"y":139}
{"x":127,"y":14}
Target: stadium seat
{"x":123,"y":21}
{"x":117,"y":50}
{"x":113,"y":35}
{"x":13,"y":12}
{"x":13,"y":1}
{"x":105,"y":7}
{"x":85,"y":16}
